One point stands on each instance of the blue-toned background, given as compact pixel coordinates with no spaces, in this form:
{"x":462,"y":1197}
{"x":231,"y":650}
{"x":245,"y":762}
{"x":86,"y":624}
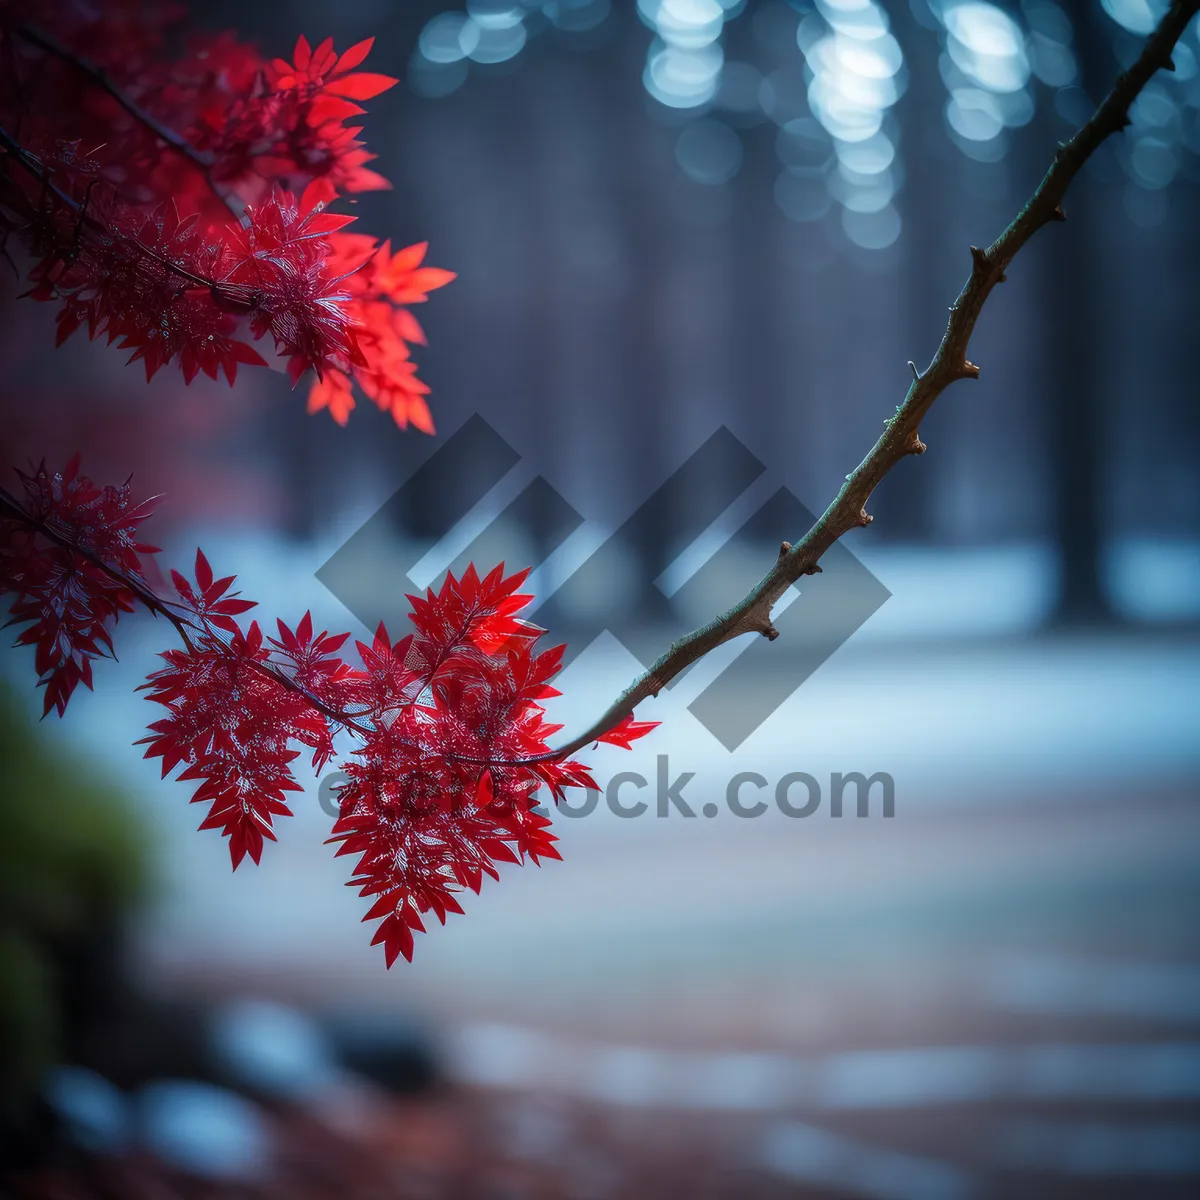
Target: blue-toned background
{"x":668,"y":217}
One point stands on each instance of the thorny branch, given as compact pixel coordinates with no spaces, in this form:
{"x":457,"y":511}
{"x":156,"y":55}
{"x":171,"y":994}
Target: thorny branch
{"x":901,"y":436}
{"x":848,"y":509}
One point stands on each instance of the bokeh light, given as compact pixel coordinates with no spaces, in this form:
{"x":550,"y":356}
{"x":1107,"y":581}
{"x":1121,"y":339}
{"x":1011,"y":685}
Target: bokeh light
{"x":683,"y":65}
{"x":872,"y":230}
{"x":829,"y":75}
{"x":682,"y":78}
{"x":856,"y":74}
{"x":1138,"y":16}
{"x":449,"y":37}
{"x":987,"y":45}
{"x":709,"y":152}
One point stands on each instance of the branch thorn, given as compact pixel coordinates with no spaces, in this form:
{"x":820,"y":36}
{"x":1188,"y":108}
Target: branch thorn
{"x":815,"y":569}
{"x":970,"y":370}
{"x":980,"y":258}
{"x":1058,"y":213}
{"x":912,"y":366}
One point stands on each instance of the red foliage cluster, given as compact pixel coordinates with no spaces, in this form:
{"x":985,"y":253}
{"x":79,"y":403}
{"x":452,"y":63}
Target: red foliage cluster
{"x":449,"y":720}
{"x":421,"y":810}
{"x":64,"y":567}
{"x":230,"y":722}
{"x":177,"y":205}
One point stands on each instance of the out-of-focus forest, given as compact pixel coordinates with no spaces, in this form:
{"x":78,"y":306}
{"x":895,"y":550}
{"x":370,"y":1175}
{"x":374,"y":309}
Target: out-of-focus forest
{"x":670,"y":216}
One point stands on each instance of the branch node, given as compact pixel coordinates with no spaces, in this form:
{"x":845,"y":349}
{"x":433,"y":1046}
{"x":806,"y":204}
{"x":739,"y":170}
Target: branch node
{"x":1169,"y":65}
{"x":864,"y":517}
{"x":969,"y":370}
{"x":1058,"y":213}
{"x":980,"y":258}
{"x":914,"y":445}
{"x":784,"y":547}
{"x":813,"y":569}
{"x":770,"y":632}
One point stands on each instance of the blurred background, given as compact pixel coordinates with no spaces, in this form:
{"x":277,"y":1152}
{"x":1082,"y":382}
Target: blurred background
{"x":669,"y":217}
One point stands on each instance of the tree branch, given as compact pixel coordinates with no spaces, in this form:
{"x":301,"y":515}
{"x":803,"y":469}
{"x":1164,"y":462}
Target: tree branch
{"x":34,"y":167}
{"x":99,"y":76}
{"x":900,"y":437}
{"x":152,"y":602}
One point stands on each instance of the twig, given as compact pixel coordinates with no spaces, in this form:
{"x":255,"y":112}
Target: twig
{"x":900,"y":437}
{"x":138,"y":588}
{"x":184,"y":625}
{"x":99,"y":76}
{"x":202,"y":160}
{"x":33,"y":166}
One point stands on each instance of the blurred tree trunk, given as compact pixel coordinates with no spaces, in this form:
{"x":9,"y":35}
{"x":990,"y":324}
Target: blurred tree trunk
{"x":1077,"y":316}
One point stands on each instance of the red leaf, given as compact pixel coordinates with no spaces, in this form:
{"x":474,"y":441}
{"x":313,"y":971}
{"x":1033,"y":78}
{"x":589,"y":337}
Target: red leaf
{"x":362,"y":86}
{"x":323,"y":58}
{"x":354,"y":56}
{"x":628,"y":731}
{"x":204,"y":575}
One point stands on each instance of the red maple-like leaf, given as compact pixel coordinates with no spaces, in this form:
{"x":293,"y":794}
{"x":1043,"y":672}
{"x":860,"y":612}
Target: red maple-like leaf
{"x":628,"y":732}
{"x":179,"y":206}
{"x":380,"y":286}
{"x":231,"y":722}
{"x":68,"y":589}
{"x":424,"y":811}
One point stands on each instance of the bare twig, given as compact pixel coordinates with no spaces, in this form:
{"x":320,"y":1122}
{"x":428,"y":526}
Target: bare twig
{"x":900,"y":437}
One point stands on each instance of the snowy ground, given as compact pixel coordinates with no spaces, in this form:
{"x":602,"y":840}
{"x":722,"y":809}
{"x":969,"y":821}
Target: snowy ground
{"x":1000,"y":978}
{"x":1014,"y":758}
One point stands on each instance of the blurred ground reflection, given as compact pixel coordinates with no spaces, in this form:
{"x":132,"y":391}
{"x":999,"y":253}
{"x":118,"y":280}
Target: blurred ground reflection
{"x":992,"y":993}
